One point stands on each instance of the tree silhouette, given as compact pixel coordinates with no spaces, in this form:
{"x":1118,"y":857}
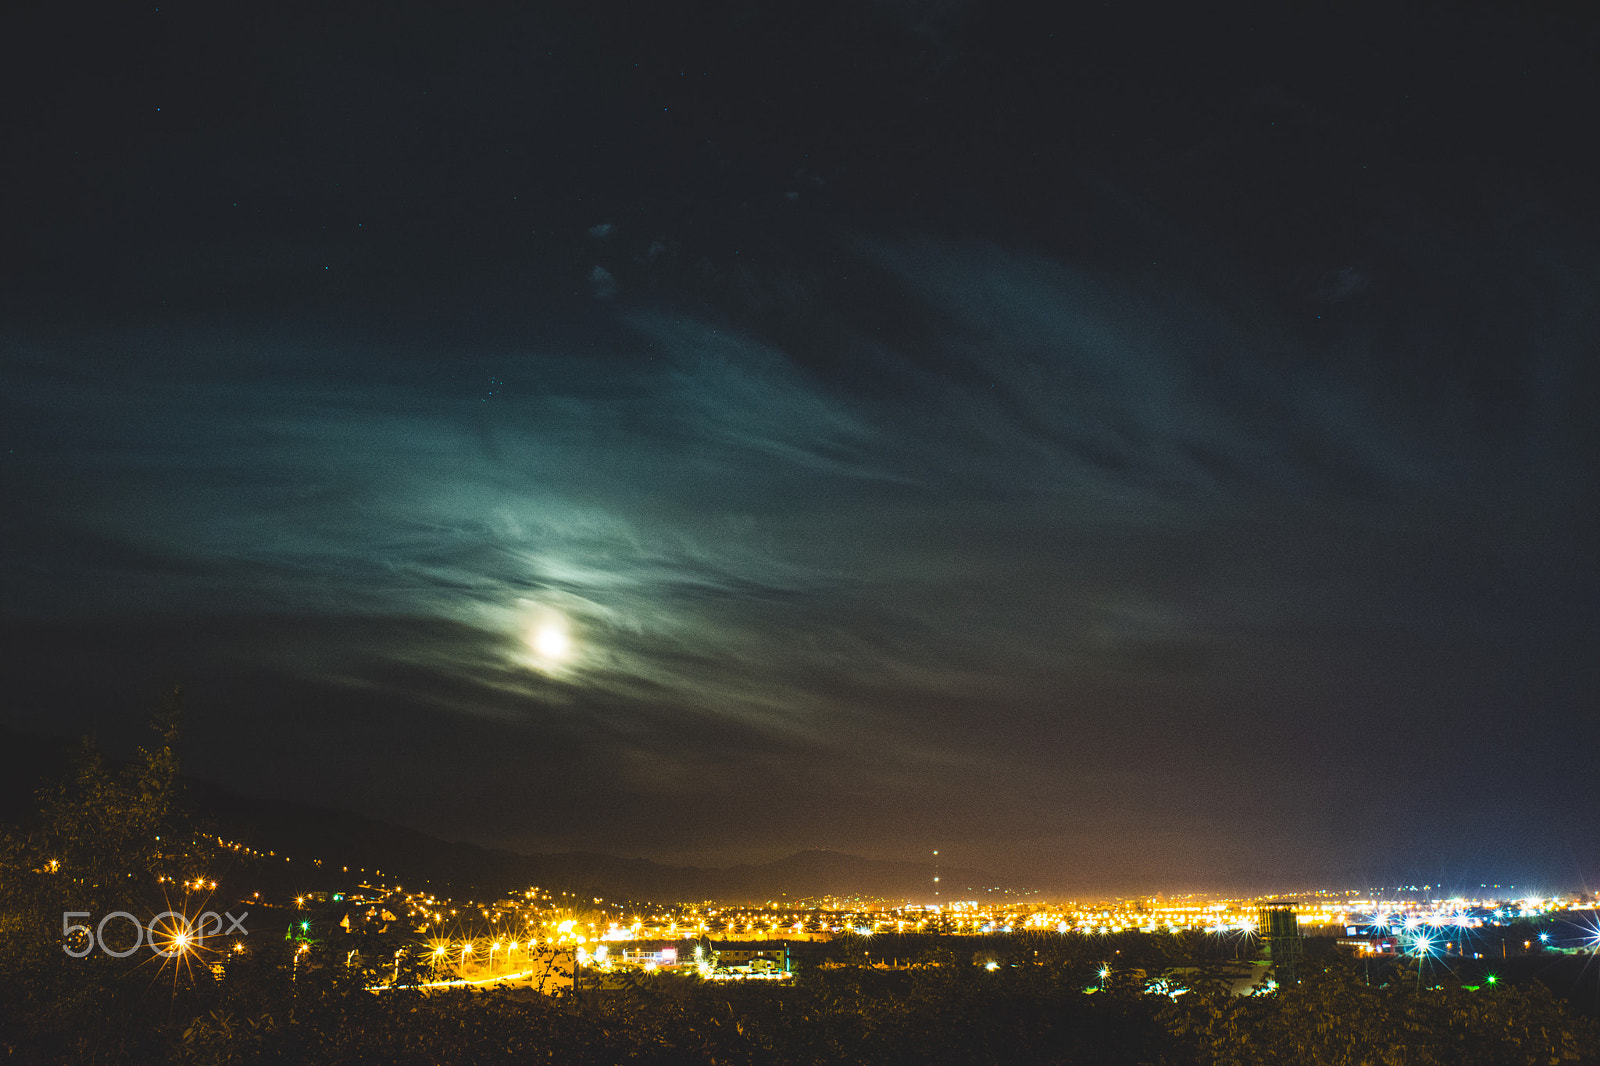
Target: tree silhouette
{"x":109,"y":839}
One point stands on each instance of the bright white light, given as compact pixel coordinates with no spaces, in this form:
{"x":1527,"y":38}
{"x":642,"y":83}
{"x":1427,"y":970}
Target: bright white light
{"x":552,"y":642}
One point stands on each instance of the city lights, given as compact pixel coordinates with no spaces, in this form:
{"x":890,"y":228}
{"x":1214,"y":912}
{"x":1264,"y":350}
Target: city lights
{"x":546,"y":940}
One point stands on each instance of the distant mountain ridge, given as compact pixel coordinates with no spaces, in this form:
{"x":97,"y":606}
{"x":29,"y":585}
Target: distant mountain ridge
{"x":454,"y":867}
{"x":303,"y":834}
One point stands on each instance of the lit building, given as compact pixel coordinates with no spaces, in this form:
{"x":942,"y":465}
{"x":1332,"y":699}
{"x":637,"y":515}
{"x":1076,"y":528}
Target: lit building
{"x":738,"y":958}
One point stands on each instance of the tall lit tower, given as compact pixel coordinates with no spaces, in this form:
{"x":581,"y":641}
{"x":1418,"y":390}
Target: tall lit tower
{"x":1280,"y":933}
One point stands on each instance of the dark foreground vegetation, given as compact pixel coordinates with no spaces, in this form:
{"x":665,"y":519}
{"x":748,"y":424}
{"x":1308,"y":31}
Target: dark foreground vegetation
{"x":117,"y":839}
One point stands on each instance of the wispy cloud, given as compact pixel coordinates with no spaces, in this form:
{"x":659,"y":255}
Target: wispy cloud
{"x":1077,"y":512}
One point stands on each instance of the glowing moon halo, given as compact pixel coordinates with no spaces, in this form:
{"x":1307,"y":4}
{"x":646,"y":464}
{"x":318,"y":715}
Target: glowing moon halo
{"x":551,"y":642}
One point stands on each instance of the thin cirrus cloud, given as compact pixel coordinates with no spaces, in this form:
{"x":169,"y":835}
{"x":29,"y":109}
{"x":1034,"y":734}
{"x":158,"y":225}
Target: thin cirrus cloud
{"x":1071,"y":508}
{"x":719,"y":496}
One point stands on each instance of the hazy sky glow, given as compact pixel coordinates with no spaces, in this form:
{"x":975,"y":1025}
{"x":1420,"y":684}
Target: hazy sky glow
{"x":1097,"y":523}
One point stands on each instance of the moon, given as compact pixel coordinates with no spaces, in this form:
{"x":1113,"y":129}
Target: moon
{"x":551,"y":642}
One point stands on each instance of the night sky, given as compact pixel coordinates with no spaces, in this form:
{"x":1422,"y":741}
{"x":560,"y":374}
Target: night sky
{"x":1132,"y":447}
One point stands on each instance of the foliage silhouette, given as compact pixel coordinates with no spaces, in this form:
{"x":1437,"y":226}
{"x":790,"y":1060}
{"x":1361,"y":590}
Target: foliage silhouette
{"x":119,"y":839}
